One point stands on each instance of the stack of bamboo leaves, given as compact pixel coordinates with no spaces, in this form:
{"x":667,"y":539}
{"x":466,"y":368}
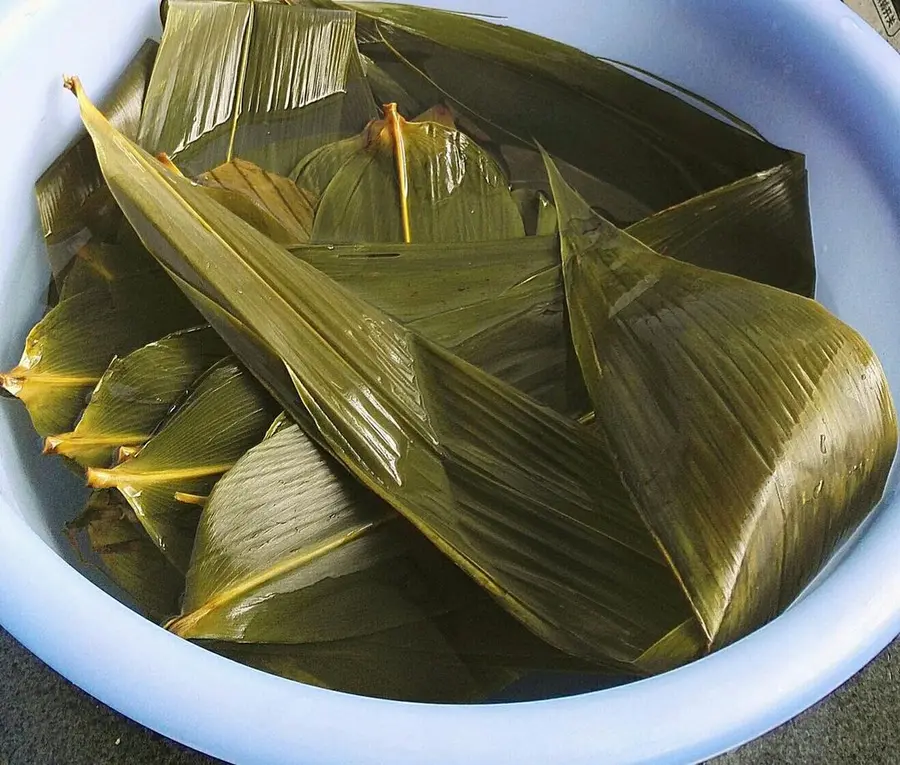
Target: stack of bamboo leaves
{"x":408,"y":354}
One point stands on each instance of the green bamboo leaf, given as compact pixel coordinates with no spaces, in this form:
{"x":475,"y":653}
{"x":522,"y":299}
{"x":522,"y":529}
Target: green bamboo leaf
{"x":537,"y":212}
{"x":412,"y":663}
{"x":525,"y":501}
{"x":435,"y":53}
{"x":128,"y":556}
{"x":69,"y":349}
{"x":405,"y":181}
{"x":72,"y":198}
{"x":504,"y":310}
{"x":748,"y":508}
{"x":135,"y":395}
{"x":291,"y":549}
{"x":96,"y":265}
{"x":287,"y":209}
{"x":265,"y":82}
{"x":225,"y":414}
{"x":755,"y":228}
{"x":498,"y":305}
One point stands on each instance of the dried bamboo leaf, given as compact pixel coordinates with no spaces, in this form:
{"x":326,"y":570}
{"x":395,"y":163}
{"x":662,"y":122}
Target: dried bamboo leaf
{"x":69,"y":349}
{"x":225,"y":414}
{"x":265,"y":82}
{"x":523,"y":500}
{"x":130,"y":559}
{"x":135,"y":395}
{"x":748,"y":508}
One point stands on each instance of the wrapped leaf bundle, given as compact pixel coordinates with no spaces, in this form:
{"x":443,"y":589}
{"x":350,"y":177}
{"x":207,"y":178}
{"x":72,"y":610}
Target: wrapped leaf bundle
{"x":545,"y":405}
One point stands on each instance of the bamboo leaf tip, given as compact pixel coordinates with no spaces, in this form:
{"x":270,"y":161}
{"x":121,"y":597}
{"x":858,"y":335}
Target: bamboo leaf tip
{"x":101,"y":478}
{"x":166,"y":161}
{"x":52,"y":444}
{"x":11,"y":382}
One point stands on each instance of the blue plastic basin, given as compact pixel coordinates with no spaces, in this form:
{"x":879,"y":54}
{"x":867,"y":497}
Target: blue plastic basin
{"x":810,"y":76}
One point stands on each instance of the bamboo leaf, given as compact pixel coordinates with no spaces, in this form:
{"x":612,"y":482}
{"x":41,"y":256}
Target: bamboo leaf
{"x":748,"y":508}
{"x":69,"y":349}
{"x":435,"y":53}
{"x":73,"y":200}
{"x":523,"y":500}
{"x":290,"y":549}
{"x":757,"y":228}
{"x":96,"y":265}
{"x":501,"y":309}
{"x":287,"y":532}
{"x":412,"y":663}
{"x":281,"y":201}
{"x":135,"y":395}
{"x":408,"y":181}
{"x":129,"y":557}
{"x":537,"y":212}
{"x":222,"y":418}
{"x":265,"y":82}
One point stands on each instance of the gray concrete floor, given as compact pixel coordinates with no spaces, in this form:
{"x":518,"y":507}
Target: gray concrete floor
{"x":45,"y":720}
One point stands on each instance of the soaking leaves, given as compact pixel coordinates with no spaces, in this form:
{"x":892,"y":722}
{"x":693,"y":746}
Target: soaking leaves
{"x":570,"y":528}
{"x":225,"y":414}
{"x":132,"y":561}
{"x":67,"y":352}
{"x":264,"y":82}
{"x":135,"y":394}
{"x":748,"y":508}
{"x":554,"y":394}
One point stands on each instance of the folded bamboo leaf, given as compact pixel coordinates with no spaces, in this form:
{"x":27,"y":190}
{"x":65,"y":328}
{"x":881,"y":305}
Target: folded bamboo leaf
{"x":537,"y":212}
{"x":129,"y":557}
{"x":69,"y":349}
{"x":96,"y":265}
{"x":278,"y":198}
{"x":498,"y":305}
{"x":225,"y":414}
{"x":291,"y":549}
{"x":412,"y":663}
{"x":662,"y":150}
{"x":265,"y":82}
{"x":73,"y":200}
{"x":135,"y":395}
{"x":405,"y":181}
{"x":523,"y":500}
{"x":680,"y":363}
{"x":757,"y":228}
{"x":504,"y":310}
